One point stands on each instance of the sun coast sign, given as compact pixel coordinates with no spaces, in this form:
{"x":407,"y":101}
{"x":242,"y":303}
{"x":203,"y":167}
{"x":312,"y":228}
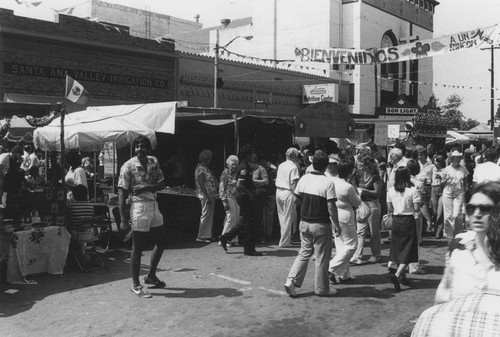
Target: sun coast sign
{"x":480,"y":37}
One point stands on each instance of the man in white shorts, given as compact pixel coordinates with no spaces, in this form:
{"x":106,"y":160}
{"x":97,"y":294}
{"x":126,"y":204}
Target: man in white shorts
{"x":140,"y":179}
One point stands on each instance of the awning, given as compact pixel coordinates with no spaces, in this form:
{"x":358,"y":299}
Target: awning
{"x":456,"y":138}
{"x":217,"y":122}
{"x":19,"y":130}
{"x":70,"y":106}
{"x":89,"y":130}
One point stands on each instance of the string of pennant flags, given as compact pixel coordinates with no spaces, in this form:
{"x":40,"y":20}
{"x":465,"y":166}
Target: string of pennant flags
{"x":295,"y":64}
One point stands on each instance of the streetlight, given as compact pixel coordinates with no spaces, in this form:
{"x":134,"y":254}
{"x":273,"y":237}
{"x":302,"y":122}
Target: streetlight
{"x":492,"y":99}
{"x":216,"y":61}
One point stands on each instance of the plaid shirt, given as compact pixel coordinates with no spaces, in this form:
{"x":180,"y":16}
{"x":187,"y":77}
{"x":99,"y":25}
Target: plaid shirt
{"x":472,"y":315}
{"x":132,"y":173}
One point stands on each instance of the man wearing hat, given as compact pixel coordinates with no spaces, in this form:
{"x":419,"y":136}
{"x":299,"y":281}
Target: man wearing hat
{"x":286,"y":181}
{"x":454,"y":177}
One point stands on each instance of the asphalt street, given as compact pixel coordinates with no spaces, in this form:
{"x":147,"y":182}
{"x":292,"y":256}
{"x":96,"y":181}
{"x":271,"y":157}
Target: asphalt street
{"x":213,"y":293}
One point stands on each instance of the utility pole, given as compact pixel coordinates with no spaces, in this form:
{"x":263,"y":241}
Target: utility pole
{"x":216,"y":68}
{"x":492,"y":97}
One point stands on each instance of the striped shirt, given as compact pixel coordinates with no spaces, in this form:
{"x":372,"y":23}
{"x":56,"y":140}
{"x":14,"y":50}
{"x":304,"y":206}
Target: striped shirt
{"x":79,"y":210}
{"x":473,"y":315}
{"x":315,"y":190}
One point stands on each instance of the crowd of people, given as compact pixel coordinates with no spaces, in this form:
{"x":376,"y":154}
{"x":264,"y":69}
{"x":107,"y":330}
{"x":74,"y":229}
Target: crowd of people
{"x":325,"y":197}
{"x":330,"y":199}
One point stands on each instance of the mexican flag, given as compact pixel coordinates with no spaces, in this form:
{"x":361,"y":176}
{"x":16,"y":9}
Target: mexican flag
{"x":75,"y":92}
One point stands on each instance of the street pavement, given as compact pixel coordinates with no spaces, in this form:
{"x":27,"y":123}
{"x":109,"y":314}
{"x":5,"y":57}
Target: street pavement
{"x":213,"y":293}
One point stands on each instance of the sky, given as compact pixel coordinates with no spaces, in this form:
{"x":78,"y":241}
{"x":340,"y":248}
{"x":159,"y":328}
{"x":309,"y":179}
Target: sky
{"x":467,"y":68}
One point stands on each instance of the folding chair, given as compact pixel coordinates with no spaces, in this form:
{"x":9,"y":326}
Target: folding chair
{"x":101,"y":222}
{"x":83,"y":232}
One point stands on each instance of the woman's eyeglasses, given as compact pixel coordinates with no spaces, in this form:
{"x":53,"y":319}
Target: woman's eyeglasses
{"x":483,"y":209}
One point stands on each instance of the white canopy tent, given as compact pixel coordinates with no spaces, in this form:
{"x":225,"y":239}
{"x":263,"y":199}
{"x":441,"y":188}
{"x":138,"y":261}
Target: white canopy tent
{"x":90,"y":129}
{"x":456,"y":138}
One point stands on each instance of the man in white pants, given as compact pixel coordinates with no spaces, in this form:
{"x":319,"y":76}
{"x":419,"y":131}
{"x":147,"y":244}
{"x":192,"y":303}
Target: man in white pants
{"x":286,"y":181}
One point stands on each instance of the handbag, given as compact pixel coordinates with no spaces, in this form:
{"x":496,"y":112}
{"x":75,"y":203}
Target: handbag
{"x":363,"y":212}
{"x":386,"y":222}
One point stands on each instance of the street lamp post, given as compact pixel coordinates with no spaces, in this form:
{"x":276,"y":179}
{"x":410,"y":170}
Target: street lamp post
{"x":492,"y":94}
{"x":216,"y":69}
{"x":216,"y":62}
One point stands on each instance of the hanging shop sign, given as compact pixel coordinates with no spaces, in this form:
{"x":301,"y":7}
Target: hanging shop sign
{"x":401,"y":107}
{"x":10,"y":68}
{"x":479,"y":37}
{"x":331,"y":92}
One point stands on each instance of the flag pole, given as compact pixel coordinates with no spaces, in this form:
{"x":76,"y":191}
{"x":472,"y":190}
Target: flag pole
{"x":62,"y":111}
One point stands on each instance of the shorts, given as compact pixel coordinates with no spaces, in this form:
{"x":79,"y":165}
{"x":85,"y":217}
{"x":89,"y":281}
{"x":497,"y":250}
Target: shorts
{"x":147,"y":240}
{"x":145,"y":215}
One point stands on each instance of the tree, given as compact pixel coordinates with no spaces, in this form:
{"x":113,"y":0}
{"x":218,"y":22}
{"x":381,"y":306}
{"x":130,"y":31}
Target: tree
{"x":468,"y":124}
{"x":451,"y":110}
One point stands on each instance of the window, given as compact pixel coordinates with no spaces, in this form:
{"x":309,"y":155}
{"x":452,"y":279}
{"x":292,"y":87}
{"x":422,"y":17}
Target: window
{"x":351,"y":93}
{"x":426,"y":6}
{"x":421,"y":3}
{"x":431,"y":8}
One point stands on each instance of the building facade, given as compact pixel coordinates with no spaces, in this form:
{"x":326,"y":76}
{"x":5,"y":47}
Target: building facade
{"x":118,"y":68}
{"x":141,"y":22}
{"x":278,"y":27}
{"x":114,"y":67}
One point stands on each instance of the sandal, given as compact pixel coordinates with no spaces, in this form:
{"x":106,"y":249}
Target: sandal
{"x":154,"y":282}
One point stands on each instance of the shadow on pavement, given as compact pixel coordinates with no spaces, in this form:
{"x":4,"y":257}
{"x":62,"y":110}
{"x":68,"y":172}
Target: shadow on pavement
{"x":423,"y":283}
{"x":116,"y":267}
{"x":365,"y":292}
{"x":195,"y":292}
{"x":280,"y":252}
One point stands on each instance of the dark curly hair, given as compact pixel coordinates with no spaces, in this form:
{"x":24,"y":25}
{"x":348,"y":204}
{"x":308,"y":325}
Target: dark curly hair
{"x":493,"y":235}
{"x":142,"y":140}
{"x":369,"y":163}
{"x":491,"y":190}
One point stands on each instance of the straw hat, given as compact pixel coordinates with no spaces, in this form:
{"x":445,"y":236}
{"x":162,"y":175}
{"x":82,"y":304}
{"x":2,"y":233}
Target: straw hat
{"x":456,"y":154}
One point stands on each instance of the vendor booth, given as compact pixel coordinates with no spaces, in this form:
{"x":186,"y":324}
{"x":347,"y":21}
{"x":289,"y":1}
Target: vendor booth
{"x":18,"y":130}
{"x":90,"y":129}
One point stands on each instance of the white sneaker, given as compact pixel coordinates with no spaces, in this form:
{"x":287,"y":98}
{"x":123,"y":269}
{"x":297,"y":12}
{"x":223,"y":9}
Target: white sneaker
{"x":290,"y":289}
{"x":140,"y":291}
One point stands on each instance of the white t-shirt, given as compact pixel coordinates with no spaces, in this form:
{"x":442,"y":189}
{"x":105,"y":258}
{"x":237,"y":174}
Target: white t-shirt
{"x":454,"y":178}
{"x":402,"y":202}
{"x":287,"y":172}
{"x":488,"y":171}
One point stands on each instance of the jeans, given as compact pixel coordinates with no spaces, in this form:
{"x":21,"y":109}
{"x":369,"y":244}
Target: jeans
{"x":316,"y":238}
{"x":373,"y":224}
